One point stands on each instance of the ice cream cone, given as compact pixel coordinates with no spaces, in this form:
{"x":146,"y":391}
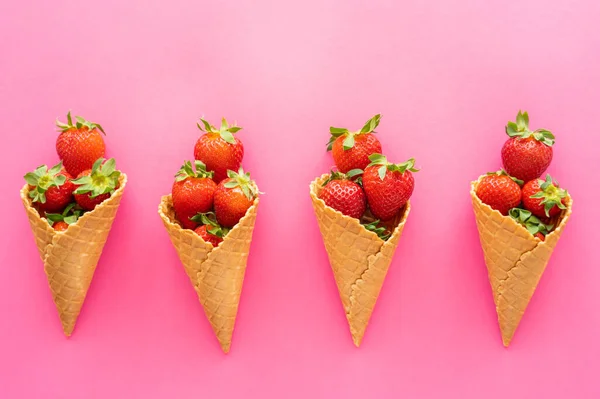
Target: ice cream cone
{"x":70,"y":257}
{"x":358,"y":257}
{"x":216,"y":273}
{"x":515,"y":260}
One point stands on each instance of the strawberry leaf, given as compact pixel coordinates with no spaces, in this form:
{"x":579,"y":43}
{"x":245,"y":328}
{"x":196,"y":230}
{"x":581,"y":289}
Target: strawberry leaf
{"x":381,"y":232}
{"x":348,"y":142}
{"x":371,"y":124}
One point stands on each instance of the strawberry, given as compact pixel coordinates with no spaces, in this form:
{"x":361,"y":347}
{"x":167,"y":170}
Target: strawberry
{"x":219,"y":149}
{"x":533,"y":224}
{"x":500,"y":191}
{"x":61,"y":221}
{"x":210,"y":230}
{"x":544,"y":198}
{"x":351,"y":150}
{"x":388,"y":186}
{"x":79,"y":145}
{"x":526,"y":155}
{"x":97,"y":184}
{"x":540,"y":236}
{"x":233,"y":197}
{"x":51,"y":190}
{"x":342,"y":194}
{"x":193,"y":192}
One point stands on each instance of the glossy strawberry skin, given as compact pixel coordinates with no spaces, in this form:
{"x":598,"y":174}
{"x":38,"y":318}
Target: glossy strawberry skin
{"x":386,"y":197}
{"x":344,"y":196}
{"x":60,"y":226}
{"x":192,"y":196}
{"x":206,"y":236}
{"x":526,"y":158}
{"x":356,"y":157}
{"x":500,"y":192}
{"x":219,"y":155}
{"x":57,"y":198}
{"x":79,"y":149}
{"x":231,"y":204}
{"x":534,"y":205}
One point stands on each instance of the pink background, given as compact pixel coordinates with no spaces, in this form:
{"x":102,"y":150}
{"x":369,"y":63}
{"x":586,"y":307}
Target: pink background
{"x":445,"y":75}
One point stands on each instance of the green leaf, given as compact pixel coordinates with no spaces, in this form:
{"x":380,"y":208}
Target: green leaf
{"x":69,"y":120}
{"x":354,"y":172}
{"x":512,"y":129}
{"x":59,"y":180}
{"x":231,"y":184}
{"x":348,"y":142}
{"x":70,"y":219}
{"x":109,"y":167}
{"x":371,"y":124}
{"x":338,"y":131}
{"x":55,"y":169}
{"x":224,"y":124}
{"x":381,"y":172}
{"x":31,"y":179}
{"x":377,"y":159}
{"x":227,"y":136}
{"x":234,"y":129}
{"x":207,"y":126}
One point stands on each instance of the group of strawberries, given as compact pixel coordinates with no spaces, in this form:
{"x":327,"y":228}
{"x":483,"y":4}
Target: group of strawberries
{"x":517,"y":190}
{"x":213,"y":194}
{"x":80,"y":181}
{"x":366,"y":186}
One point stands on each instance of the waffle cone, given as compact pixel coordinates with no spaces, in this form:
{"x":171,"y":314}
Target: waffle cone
{"x":216,"y":273}
{"x":358,"y":257}
{"x":515,"y":260}
{"x":70,"y":257}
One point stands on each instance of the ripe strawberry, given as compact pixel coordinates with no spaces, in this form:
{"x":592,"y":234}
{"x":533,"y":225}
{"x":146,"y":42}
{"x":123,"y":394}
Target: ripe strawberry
{"x":544,"y":198}
{"x":96,"y":185}
{"x":500,"y":191}
{"x":233,"y":197}
{"x":351,"y":150}
{"x":79,"y":145}
{"x":210,"y":230}
{"x":533,"y":224}
{"x":51,"y":190}
{"x":193,"y":192}
{"x":342,"y":194}
{"x":526,"y":155}
{"x":61,"y":221}
{"x":388,"y":186}
{"x":219,"y":149}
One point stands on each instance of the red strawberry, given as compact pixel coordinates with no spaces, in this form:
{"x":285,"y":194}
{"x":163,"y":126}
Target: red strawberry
{"x":351,"y":150}
{"x":531,"y":222}
{"x":526,"y":155}
{"x":193,"y":192}
{"x":540,"y":236}
{"x":544,"y":198}
{"x":219,"y":149}
{"x":79,"y":145}
{"x":499,"y":191}
{"x":233,"y":197}
{"x":96,"y":185}
{"x":342,"y":194}
{"x":388,"y":186}
{"x":61,"y":221}
{"x":210,"y":230}
{"x":51,"y":190}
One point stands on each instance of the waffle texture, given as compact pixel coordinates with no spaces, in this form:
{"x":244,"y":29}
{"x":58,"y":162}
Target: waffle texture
{"x":515,"y":260}
{"x":70,"y":257}
{"x":358,"y":257}
{"x":216,"y":273}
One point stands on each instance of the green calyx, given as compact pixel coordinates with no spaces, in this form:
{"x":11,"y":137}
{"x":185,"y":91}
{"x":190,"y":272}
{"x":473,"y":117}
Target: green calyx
{"x":242,"y":180}
{"x":42,"y":179}
{"x":533,"y":224}
{"x":379,"y":159}
{"x":225,"y":131}
{"x":381,"y":232}
{"x":335,"y":175}
{"x":502,"y":172}
{"x":79,"y":123}
{"x":70,"y":215}
{"x":348,"y":143}
{"x":520,"y":128}
{"x":552,"y":195}
{"x":187,"y":170}
{"x":213,"y":227}
{"x":104,"y":179}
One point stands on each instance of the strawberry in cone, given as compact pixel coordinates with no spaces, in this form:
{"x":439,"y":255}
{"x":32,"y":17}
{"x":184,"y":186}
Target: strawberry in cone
{"x":361,"y":218}
{"x":70,"y":235}
{"x":520,"y":219}
{"x":210,"y":216}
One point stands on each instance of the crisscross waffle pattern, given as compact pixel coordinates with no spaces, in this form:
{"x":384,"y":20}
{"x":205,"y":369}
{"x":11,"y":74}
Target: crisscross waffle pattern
{"x":358,"y":257}
{"x":515,"y":260}
{"x":217,"y":273}
{"x":70,"y":257}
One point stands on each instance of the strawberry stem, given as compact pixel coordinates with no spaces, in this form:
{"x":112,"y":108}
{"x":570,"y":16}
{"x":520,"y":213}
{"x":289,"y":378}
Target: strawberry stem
{"x":520,"y":128}
{"x":79,"y":124}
